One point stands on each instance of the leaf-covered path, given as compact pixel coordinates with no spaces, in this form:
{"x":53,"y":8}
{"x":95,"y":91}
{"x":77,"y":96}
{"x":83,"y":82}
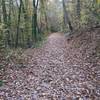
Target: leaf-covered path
{"x":57,"y":71}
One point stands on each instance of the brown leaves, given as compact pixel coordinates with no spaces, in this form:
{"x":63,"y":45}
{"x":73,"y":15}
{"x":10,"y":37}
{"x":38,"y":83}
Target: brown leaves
{"x":57,"y":71}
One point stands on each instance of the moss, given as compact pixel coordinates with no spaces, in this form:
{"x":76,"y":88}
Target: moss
{"x":1,"y":83}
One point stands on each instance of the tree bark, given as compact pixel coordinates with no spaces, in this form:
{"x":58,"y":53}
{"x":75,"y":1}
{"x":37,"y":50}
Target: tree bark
{"x":34,"y":20}
{"x":18,"y":23}
{"x":78,"y":8}
{"x":66,"y":18}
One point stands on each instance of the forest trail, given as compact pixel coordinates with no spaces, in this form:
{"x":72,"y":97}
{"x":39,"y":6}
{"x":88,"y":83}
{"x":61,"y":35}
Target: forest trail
{"x":57,"y":71}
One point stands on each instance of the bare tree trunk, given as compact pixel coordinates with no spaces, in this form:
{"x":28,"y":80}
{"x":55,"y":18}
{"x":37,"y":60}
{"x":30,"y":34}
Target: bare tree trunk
{"x":5,"y":22}
{"x":43,"y":7}
{"x":78,"y":8}
{"x":34,"y":20}
{"x":66,"y":18}
{"x":17,"y":34}
{"x":4,"y":12}
{"x":9,"y":23}
{"x":78,"y":13}
{"x":0,"y":11}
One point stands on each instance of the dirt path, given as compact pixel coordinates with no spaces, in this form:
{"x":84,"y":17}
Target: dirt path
{"x":56,"y":72}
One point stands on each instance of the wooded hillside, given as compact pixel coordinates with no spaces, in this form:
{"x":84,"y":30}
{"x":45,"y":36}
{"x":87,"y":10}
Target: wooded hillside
{"x":23,"y":22}
{"x":49,"y":49}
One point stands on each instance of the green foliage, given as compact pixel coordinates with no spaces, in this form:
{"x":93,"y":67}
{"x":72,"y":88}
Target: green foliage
{"x":49,"y":18}
{"x":1,"y":83}
{"x":84,"y":19}
{"x":39,"y":43}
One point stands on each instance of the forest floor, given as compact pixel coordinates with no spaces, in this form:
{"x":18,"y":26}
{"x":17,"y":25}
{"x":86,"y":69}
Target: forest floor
{"x":64,"y":68}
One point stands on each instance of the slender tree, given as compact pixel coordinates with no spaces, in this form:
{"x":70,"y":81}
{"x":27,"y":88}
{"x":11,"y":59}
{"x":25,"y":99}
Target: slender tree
{"x":5,"y":21}
{"x":78,"y":8}
{"x":43,"y":15}
{"x":34,"y":20}
{"x":18,"y":24}
{"x":66,"y":17}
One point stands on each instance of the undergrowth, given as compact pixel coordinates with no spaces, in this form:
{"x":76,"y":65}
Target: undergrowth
{"x":40,"y":42}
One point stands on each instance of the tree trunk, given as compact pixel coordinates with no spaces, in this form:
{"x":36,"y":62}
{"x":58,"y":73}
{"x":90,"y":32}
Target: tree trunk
{"x":5,"y":22}
{"x":34,"y":21}
{"x":18,"y":23}
{"x":78,"y":8}
{"x":4,"y":12}
{"x":43,"y":7}
{"x":66,"y":18}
